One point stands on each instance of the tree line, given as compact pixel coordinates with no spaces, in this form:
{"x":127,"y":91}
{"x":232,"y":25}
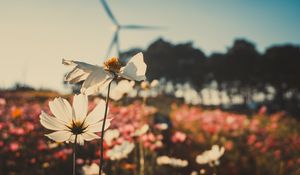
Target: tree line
{"x":242,"y":66}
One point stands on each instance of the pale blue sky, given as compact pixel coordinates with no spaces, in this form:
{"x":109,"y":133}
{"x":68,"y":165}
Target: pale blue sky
{"x":36,"y":34}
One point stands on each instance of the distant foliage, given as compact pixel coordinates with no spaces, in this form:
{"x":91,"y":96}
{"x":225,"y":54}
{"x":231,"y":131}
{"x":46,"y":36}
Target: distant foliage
{"x":241,"y":67}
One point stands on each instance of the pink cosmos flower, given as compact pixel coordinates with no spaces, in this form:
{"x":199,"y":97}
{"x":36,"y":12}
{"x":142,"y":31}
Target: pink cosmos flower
{"x":178,"y":137}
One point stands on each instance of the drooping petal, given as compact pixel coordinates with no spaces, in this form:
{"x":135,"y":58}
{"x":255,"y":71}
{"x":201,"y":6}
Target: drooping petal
{"x":51,"y":123}
{"x":135,"y":69}
{"x":59,"y":136}
{"x":80,"y":107}
{"x":97,"y":127}
{"x":114,"y":94}
{"x":76,"y":75}
{"x":88,"y":68}
{"x":62,"y":109}
{"x":96,"y":82}
{"x":98,"y":88}
{"x":88,"y":136}
{"x":117,"y":91}
{"x":80,"y":72}
{"x":96,"y":114}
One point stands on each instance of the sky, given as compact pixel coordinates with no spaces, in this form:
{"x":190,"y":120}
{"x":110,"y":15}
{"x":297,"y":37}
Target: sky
{"x":35,"y":35}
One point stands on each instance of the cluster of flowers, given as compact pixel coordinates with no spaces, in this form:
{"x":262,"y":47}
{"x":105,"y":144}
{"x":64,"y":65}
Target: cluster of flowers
{"x":261,"y":143}
{"x":209,"y":95}
{"x":165,"y":160}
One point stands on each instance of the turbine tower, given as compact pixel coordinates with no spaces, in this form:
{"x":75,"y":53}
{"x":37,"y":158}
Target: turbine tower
{"x":118,"y":27}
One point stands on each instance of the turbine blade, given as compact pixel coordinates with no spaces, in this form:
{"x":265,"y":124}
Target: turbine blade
{"x":140,"y":27}
{"x":113,"y":41}
{"x":108,"y":11}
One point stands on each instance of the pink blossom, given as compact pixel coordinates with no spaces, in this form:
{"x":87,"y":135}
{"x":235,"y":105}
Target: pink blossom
{"x":14,"y":146}
{"x":262,"y":110}
{"x":251,"y":139}
{"x":178,"y":137}
{"x":277,"y":154}
{"x":17,"y":131}
{"x":258,"y":145}
{"x":228,"y":145}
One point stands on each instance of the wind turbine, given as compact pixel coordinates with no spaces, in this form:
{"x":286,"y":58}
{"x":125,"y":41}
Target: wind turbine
{"x":118,"y":27}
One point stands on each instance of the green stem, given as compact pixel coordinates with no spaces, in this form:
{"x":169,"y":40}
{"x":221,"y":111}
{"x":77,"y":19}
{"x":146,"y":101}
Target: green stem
{"x":102,"y":131}
{"x":74,"y":155}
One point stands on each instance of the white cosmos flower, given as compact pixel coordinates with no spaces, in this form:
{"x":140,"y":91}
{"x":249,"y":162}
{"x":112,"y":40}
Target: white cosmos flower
{"x":141,"y":130}
{"x":149,"y":89}
{"x":71,"y":121}
{"x":92,"y":169}
{"x":119,"y":152}
{"x":171,"y":161}
{"x":162,"y":126}
{"x":211,"y":156}
{"x":110,"y":135}
{"x":97,"y":78}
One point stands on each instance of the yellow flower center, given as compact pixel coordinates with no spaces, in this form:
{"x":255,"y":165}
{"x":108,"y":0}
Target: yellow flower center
{"x":113,"y":65}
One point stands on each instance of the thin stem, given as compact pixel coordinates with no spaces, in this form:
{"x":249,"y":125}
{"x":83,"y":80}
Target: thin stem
{"x":74,"y":155}
{"x":102,"y":131}
{"x":215,"y":169}
{"x":142,"y":159}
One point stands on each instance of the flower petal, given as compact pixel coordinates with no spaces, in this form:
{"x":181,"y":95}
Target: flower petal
{"x":135,"y":69}
{"x":80,"y":72}
{"x":96,"y":81}
{"x":80,"y":139}
{"x":76,"y":75}
{"x":96,"y":114}
{"x":88,"y":68}
{"x":97,"y":127}
{"x":88,"y":136}
{"x":62,"y":109}
{"x":60,"y":136}
{"x":80,"y":107}
{"x":51,"y":123}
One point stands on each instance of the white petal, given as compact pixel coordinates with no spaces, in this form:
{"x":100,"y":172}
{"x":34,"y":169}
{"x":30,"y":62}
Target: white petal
{"x":80,"y":72}
{"x":80,"y":106}
{"x":97,"y":127}
{"x":116,"y":95}
{"x":80,"y":65}
{"x":96,"y":82}
{"x":71,"y":139}
{"x":76,"y":75}
{"x":80,"y":139}
{"x":62,"y":109}
{"x":51,"y":123}
{"x":96,"y":114}
{"x":98,"y":88}
{"x":88,"y":136}
{"x":135,"y":69}
{"x":154,"y":83}
{"x":60,"y":136}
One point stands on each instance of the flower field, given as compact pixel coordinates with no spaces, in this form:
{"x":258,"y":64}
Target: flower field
{"x":147,"y":138}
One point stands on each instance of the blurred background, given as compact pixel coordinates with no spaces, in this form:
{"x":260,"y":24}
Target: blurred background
{"x":225,"y":73}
